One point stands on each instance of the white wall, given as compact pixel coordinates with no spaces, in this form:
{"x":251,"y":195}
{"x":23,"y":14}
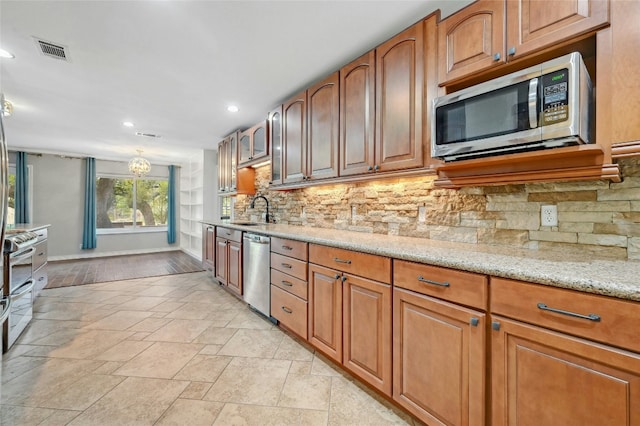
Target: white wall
{"x":58,"y":200}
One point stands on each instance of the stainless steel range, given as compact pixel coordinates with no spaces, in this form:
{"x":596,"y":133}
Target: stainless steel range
{"x":18,"y":284}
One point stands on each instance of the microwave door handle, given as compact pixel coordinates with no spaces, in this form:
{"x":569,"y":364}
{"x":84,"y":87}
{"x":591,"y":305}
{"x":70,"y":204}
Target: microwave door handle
{"x":533,"y":103}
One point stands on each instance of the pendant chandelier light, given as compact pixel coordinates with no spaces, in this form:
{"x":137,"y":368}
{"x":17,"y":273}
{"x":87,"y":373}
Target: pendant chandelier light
{"x":139,"y":166}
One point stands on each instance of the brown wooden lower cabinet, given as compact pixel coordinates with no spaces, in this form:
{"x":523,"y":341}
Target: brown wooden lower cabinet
{"x":367,"y":331}
{"x":542,"y":377}
{"x":208,"y":248}
{"x":350,"y":321}
{"x":229,"y":259}
{"x":439,"y":363}
{"x":234,"y":282}
{"x":222,"y":256}
{"x":325,"y":310}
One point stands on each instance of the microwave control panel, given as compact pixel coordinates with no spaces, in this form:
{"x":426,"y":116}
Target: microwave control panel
{"x":555,"y":97}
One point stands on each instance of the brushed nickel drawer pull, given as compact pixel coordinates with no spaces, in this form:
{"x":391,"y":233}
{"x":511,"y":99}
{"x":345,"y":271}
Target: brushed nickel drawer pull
{"x":287,"y":310}
{"x":439,"y":284}
{"x":287,"y":248}
{"x":337,"y":259}
{"x":590,"y":317}
{"x":287,"y":283}
{"x":286,"y":265}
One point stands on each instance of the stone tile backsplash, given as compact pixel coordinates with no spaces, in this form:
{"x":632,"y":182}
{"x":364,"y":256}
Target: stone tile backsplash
{"x":595,"y":219}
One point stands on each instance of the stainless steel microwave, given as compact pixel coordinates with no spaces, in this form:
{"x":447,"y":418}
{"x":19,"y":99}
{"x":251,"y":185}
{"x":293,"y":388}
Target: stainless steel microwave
{"x":545,"y":106}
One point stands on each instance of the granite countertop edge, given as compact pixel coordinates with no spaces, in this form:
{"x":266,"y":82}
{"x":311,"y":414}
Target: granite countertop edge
{"x":615,"y":278}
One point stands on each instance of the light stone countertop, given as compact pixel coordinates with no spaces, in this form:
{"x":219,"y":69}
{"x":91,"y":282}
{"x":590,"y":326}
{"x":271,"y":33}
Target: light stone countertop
{"x":616,"y":278}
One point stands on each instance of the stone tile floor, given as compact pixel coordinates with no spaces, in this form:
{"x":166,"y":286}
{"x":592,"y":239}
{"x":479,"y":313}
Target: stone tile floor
{"x":171,"y":350}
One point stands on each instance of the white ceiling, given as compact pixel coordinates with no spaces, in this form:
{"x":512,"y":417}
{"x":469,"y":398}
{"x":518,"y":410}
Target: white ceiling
{"x":172,"y":67}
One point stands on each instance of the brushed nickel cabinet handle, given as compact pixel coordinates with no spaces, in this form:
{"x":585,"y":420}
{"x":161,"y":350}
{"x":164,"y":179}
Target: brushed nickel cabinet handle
{"x":287,"y":248}
{"x":336,"y":259}
{"x":589,"y":317}
{"x":287,"y":283}
{"x":287,"y":310}
{"x":286,"y":265}
{"x":426,"y":281}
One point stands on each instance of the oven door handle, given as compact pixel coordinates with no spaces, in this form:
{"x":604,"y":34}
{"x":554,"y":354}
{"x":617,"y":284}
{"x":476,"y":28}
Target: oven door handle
{"x":22,"y":255}
{"x":20,"y":292}
{"x":5,"y":314}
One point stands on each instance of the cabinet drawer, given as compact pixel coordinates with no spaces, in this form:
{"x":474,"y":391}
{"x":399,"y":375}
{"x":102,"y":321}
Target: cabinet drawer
{"x":604,"y":319}
{"x":291,"y":248}
{"x":42,"y":234}
{"x":229,"y":234}
{"x":365,"y":265}
{"x":289,"y":265}
{"x":465,"y":288}
{"x":290,"y":284}
{"x":290,"y":310}
{"x":40,"y":255}
{"x":40,"y":279}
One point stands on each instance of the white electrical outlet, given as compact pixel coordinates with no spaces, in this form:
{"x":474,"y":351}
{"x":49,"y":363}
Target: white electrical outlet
{"x":549,"y":216}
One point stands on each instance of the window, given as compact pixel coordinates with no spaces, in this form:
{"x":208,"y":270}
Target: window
{"x":127,"y":203}
{"x":11,"y":212}
{"x":225,"y":207}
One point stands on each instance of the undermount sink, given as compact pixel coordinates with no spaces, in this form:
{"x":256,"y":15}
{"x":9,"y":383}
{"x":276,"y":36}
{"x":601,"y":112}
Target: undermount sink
{"x":239,"y":222}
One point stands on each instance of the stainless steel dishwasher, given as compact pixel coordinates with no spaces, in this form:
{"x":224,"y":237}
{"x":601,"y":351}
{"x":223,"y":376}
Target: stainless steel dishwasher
{"x":256,"y":272}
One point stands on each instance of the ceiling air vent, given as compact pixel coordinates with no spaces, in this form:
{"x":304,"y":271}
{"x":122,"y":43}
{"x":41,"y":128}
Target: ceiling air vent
{"x":52,"y":50}
{"x":148,"y":135}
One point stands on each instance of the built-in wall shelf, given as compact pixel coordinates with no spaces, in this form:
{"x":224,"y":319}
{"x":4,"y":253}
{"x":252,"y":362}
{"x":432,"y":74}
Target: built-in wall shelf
{"x":581,"y":162}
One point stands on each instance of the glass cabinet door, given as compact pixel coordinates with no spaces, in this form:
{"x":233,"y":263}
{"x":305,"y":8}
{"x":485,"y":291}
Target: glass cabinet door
{"x":245,"y":147}
{"x":259,"y":141}
{"x":233,"y":163}
{"x":276,"y":147}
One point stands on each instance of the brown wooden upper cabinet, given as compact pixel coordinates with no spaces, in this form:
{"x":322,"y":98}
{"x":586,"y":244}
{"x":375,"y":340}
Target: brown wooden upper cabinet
{"x":357,"y":115}
{"x":322,"y":121}
{"x":275,"y":138}
{"x":399,"y":100}
{"x":254,"y":146}
{"x":228,"y":164}
{"x":310,"y":133}
{"x":489,"y":33}
{"x":294,"y":139}
{"x":232,"y":180}
{"x":618,"y":80}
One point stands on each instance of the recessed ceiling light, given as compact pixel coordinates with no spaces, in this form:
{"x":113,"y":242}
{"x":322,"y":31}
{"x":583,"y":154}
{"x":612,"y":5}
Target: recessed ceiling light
{"x":233,"y":108}
{"x":5,"y":54}
{"x":127,"y":124}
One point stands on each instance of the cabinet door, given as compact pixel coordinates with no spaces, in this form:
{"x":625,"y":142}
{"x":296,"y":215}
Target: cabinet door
{"x":294,"y":139}
{"x":399,"y":99}
{"x":439,"y":359}
{"x":325,"y":310}
{"x":533,"y":24}
{"x":208,"y":248}
{"x":357,"y":115}
{"x":541,"y":377}
{"x":323,"y":128}
{"x":367,"y":331}
{"x":616,"y":112}
{"x":234,"y":281}
{"x":275,"y":133}
{"x":232,"y":171}
{"x":222,"y":260}
{"x":472,"y":40}
{"x":260,"y":144}
{"x":223,"y":184}
{"x":244,"y":147}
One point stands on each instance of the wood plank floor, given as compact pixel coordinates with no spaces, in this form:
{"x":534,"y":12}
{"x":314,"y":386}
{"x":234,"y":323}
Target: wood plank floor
{"x":102,"y":269}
